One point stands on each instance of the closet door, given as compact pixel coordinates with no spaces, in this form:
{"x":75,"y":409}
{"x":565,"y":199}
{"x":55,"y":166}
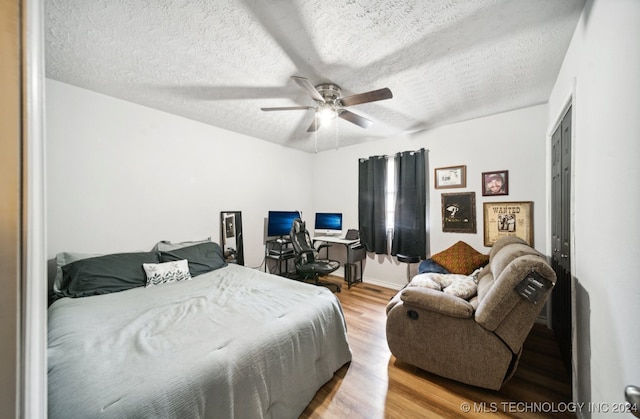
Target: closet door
{"x":561,"y":233}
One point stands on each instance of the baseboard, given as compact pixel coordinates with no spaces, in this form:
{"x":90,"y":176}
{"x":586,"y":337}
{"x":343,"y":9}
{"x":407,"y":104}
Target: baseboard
{"x":341,"y":273}
{"x":385,"y":284}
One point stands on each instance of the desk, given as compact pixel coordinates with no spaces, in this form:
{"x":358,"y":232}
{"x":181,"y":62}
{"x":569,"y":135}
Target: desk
{"x":280,"y":251}
{"x":355,"y":253}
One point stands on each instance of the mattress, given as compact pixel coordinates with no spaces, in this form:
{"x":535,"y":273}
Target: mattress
{"x":231,"y":343}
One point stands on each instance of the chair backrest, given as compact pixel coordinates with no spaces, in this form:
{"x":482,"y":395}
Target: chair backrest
{"x":301,"y":240}
{"x":352,"y":234}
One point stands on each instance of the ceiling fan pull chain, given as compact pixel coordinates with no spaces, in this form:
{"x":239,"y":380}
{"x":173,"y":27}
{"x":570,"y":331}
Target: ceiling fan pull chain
{"x":315,"y":132}
{"x":337,"y":135}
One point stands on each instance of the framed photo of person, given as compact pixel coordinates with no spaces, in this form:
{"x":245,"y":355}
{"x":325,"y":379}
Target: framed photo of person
{"x":450,"y":177}
{"x":495,"y":183}
{"x":508,"y":219}
{"x":459,"y":212}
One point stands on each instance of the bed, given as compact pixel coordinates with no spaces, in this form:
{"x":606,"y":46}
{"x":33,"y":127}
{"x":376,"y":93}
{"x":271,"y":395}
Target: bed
{"x":232,"y":342}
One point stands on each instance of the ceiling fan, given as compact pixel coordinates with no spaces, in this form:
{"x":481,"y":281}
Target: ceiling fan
{"x":330,"y":104}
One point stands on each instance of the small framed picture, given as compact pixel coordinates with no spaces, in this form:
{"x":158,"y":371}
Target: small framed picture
{"x":495,"y":183}
{"x":459,"y":212}
{"x":451,"y":177}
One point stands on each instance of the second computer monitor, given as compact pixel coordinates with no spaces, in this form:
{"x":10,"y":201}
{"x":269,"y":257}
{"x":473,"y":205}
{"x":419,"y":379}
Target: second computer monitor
{"x":328,"y":224}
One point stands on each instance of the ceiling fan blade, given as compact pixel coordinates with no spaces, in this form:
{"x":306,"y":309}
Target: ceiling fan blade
{"x":308,"y":87}
{"x":315,"y":124}
{"x":288,"y":108}
{"x":354,"y":118}
{"x":372,"y":96}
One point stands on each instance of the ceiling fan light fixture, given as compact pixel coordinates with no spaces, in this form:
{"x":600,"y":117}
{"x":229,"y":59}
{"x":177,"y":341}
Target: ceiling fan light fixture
{"x":331,"y":104}
{"x":326,"y":112}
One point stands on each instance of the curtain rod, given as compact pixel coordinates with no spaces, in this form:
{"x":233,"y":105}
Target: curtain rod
{"x":386,"y":156}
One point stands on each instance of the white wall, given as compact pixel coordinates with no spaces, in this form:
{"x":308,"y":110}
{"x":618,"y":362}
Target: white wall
{"x":604,"y":63}
{"x":513,"y":141}
{"x":121,"y":177}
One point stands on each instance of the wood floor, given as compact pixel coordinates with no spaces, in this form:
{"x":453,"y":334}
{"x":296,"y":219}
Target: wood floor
{"x":375,"y":385}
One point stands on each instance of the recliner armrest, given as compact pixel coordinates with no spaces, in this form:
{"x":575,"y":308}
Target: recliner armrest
{"x":437,"y":301}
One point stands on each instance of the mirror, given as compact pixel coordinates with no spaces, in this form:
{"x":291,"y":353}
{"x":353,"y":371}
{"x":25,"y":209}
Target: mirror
{"x":231,"y":236}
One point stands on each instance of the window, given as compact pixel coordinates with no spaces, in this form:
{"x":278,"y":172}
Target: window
{"x":390,"y":189}
{"x":392,"y":198}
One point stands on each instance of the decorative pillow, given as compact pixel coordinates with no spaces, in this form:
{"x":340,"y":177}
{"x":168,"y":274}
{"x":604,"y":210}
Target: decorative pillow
{"x":425,"y":280}
{"x":460,"y":259}
{"x":202,"y":258}
{"x":428,"y":265}
{"x":463,"y":288}
{"x":167,"y":246}
{"x":64,"y":258}
{"x":105,"y":274}
{"x":164,"y":273}
{"x":447,"y":279}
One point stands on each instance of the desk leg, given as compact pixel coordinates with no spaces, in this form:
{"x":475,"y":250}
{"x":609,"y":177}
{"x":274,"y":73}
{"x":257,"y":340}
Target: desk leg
{"x":351,"y":273}
{"x":347,"y":273}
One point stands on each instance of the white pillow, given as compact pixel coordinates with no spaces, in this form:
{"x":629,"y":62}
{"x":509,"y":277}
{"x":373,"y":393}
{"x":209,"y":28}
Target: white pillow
{"x":424,"y":280}
{"x":446,"y":279}
{"x":164,"y":273}
{"x":463,"y":288}
{"x":441,"y":280}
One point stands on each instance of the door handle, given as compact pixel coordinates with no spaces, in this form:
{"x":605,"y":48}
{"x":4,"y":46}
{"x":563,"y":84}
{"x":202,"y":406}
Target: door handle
{"x":632,"y":394}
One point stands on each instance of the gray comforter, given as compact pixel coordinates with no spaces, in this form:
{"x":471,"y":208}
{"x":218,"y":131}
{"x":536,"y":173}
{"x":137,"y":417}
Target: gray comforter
{"x":232,"y":343}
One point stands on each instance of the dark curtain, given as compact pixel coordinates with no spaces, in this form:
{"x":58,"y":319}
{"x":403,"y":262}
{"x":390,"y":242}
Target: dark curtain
{"x":410,"y":224}
{"x":372,"y":176}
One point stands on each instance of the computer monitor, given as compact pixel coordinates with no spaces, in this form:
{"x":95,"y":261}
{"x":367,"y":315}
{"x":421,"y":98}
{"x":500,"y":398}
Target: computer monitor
{"x":279,"y":222}
{"x":328,"y":224}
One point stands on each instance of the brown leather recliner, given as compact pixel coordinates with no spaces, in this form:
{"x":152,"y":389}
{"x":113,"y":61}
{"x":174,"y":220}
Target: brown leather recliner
{"x":478,"y":342}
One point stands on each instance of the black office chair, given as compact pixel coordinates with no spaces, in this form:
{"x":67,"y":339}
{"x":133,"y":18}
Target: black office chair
{"x":308,"y":264}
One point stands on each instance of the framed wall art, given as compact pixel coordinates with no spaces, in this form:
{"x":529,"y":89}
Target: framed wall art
{"x":495,"y":183}
{"x":451,"y":177}
{"x":459,"y":212}
{"x":508,"y":219}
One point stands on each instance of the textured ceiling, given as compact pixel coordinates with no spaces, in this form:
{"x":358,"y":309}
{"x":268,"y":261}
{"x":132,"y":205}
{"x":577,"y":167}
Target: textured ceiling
{"x":220,"y":61}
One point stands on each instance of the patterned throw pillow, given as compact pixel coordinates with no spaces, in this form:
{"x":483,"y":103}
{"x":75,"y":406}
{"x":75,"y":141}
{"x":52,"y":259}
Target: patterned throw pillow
{"x":163,"y":273}
{"x":463,"y":288}
{"x":425,"y":280}
{"x":460,"y":259}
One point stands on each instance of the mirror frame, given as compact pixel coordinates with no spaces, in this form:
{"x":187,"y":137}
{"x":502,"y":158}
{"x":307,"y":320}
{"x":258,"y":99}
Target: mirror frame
{"x":231,"y":239}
